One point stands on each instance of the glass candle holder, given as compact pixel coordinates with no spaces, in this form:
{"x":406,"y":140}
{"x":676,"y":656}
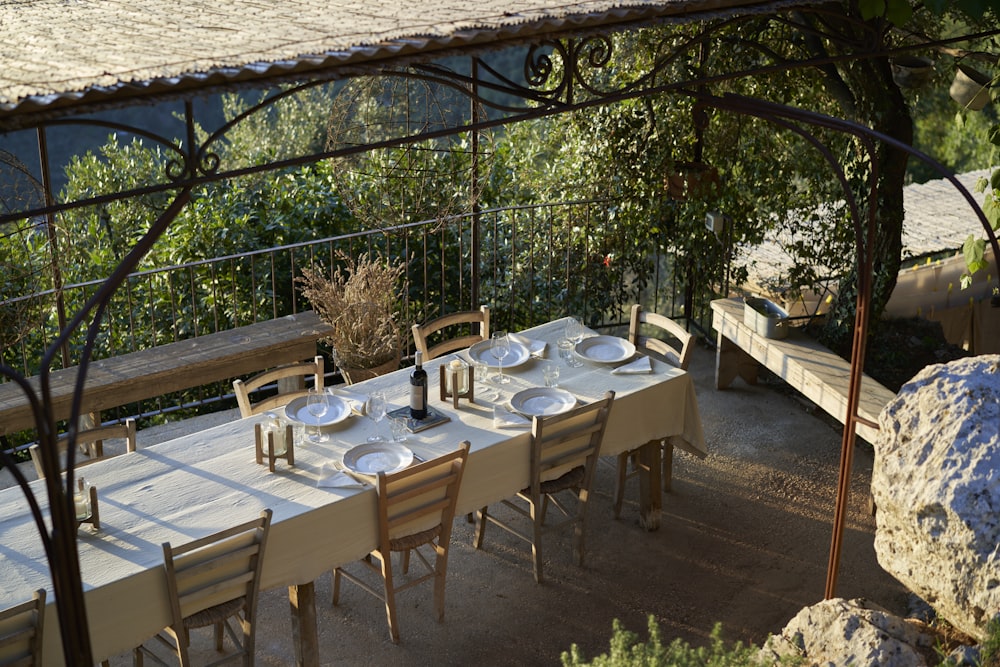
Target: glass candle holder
{"x":81,"y":500}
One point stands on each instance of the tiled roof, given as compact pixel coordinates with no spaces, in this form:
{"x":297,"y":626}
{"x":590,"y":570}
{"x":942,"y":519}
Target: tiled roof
{"x":937,"y":219}
{"x":63,"y":53}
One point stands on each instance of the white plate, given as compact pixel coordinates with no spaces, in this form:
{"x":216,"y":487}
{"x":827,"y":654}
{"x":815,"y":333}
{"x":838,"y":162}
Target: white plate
{"x":337,"y":410}
{"x":605,"y":349}
{"x":542,"y":401}
{"x":374,"y":457}
{"x":481,"y":352}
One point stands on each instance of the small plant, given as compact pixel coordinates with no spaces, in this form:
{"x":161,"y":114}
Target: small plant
{"x":360,"y":301}
{"x":627,"y":651}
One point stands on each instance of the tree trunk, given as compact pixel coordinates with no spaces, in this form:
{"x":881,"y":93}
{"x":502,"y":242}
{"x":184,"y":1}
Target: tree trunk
{"x":878,"y":104}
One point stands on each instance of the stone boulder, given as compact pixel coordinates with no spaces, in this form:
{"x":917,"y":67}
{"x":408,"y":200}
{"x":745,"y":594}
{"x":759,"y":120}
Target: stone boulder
{"x":842,"y":633}
{"x":936,"y":487}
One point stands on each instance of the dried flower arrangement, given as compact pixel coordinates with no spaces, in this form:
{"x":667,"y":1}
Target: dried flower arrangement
{"x":360,"y":301}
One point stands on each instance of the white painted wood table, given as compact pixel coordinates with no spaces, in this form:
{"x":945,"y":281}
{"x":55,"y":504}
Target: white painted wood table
{"x":182,"y":489}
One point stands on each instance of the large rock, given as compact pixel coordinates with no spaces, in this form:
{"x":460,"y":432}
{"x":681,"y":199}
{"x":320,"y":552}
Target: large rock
{"x":936,"y":485}
{"x":842,"y":633}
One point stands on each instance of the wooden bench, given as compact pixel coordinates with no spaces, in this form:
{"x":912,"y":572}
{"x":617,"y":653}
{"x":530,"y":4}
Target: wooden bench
{"x":159,"y":370}
{"x":808,"y":367}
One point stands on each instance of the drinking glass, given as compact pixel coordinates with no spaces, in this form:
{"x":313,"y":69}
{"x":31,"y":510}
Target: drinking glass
{"x":550,"y":372}
{"x":375,"y":408}
{"x":316,"y":405}
{"x":500,"y":348}
{"x":483,"y":388}
{"x":573,"y":331}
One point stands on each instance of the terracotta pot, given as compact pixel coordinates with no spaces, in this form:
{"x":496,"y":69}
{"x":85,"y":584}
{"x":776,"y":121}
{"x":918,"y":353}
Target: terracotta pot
{"x":970,"y":88}
{"x":911,"y":71}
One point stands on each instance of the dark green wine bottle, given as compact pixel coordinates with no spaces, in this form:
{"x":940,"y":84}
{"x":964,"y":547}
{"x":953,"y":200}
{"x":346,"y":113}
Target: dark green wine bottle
{"x":418,"y":389}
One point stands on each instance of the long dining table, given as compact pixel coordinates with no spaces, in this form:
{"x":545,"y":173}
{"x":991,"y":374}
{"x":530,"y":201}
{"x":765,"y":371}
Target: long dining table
{"x":199,"y":483}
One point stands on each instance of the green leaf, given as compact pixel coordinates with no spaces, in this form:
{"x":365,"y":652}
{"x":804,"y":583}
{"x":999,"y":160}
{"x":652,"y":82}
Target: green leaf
{"x":899,"y":12}
{"x":973,"y":249}
{"x":871,"y":8}
{"x":991,"y":208}
{"x":993,"y":134}
{"x":995,"y":180}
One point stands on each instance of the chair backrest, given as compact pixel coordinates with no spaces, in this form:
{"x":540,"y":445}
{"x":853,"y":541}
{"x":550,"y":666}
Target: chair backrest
{"x":290,"y":380}
{"x":21,"y":628}
{"x":421,"y":497}
{"x":216,"y":569}
{"x":562,"y":442}
{"x":678,"y":355}
{"x":430,"y":332}
{"x":94,"y":440}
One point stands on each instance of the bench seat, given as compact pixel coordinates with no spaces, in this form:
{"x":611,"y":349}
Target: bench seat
{"x":159,"y":370}
{"x":807,"y":366}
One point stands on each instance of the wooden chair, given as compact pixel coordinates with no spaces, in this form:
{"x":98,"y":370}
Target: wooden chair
{"x":290,"y":380}
{"x":90,"y":440}
{"x":663,"y":330}
{"x":564,"y":452}
{"x":416,"y":508}
{"x":437,"y":328}
{"x":211,"y":581}
{"x":21,"y":632}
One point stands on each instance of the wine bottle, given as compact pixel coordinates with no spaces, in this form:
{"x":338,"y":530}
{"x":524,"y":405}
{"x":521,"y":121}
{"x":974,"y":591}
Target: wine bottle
{"x":418,"y":389}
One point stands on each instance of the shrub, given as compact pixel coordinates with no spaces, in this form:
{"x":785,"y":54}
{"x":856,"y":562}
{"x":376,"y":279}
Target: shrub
{"x":627,"y":651}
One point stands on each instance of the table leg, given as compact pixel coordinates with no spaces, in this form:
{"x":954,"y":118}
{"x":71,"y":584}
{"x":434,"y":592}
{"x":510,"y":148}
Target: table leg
{"x":650,"y":495}
{"x":731,"y":362}
{"x":302,"y":599}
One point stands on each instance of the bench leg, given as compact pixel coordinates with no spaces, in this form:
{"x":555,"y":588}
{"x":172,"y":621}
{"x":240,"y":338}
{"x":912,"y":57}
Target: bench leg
{"x":732,"y":362}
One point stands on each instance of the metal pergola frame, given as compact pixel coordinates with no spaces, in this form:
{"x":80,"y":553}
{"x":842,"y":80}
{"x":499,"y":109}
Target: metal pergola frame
{"x":581,"y":44}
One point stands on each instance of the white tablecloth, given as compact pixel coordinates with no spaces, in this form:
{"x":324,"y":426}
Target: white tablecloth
{"x":200,"y":483}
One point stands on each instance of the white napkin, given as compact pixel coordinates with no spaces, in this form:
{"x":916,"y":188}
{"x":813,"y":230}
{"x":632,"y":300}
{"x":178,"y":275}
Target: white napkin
{"x":331,"y":477}
{"x":504,"y":418}
{"x":355,"y":400}
{"x":640,"y":365}
{"x":535,"y":347}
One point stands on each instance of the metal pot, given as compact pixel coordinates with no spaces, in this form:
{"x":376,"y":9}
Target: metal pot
{"x":971,"y":88}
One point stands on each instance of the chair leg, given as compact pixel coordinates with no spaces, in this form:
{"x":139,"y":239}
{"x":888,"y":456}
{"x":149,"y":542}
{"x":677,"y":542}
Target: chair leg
{"x":247,"y":624}
{"x":390,"y":597}
{"x":578,"y":527}
{"x":336,"y":586}
{"x":623,"y":459}
{"x":440,"y":570}
{"x":537,"y":517}
{"x":218,"y":636}
{"x":406,"y":561}
{"x":477,"y":540}
{"x":668,"y":465}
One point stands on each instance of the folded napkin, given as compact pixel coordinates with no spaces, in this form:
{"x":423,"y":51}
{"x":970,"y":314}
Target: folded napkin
{"x":332,"y":477}
{"x":504,"y":418}
{"x":354,"y":399}
{"x":535,"y":347}
{"x":640,"y":365}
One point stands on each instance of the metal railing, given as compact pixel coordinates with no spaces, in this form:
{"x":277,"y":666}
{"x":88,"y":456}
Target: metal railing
{"x":535,"y":263}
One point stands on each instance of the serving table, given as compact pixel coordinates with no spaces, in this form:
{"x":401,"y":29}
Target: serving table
{"x":197,"y":484}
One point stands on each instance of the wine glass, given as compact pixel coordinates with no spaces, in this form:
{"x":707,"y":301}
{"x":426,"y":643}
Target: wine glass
{"x":500,"y":348}
{"x":573,"y":331}
{"x":316,"y":405}
{"x":375,"y":408}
